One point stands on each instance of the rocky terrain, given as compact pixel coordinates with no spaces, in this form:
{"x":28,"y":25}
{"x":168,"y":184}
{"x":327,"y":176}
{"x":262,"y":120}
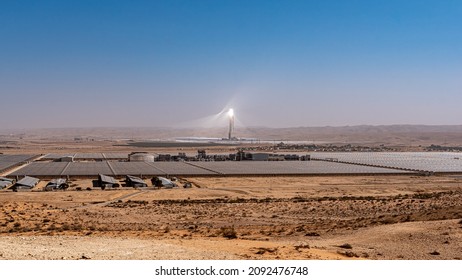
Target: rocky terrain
{"x":380,"y":217}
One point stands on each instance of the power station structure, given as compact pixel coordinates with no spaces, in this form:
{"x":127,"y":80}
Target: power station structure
{"x":141,"y":157}
{"x":231,"y":124}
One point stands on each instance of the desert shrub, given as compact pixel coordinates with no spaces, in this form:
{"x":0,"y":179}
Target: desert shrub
{"x":387,"y":221}
{"x":65,"y":227}
{"x":165,"y":229}
{"x":229,"y":233}
{"x":407,"y":218}
{"x":346,"y":246}
{"x":103,"y":228}
{"x":26,"y":229}
{"x":77,"y":227}
{"x":349,"y":254}
{"x":141,"y":202}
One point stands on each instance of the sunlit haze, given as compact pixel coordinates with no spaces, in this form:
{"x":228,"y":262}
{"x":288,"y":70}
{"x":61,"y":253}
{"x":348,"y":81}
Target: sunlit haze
{"x":231,"y":113}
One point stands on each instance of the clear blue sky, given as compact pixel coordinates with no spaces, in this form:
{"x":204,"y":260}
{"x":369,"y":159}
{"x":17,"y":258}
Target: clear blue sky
{"x":278,"y":63}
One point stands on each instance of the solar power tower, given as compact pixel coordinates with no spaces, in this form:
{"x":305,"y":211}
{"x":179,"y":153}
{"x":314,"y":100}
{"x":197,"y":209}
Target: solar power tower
{"x":231,"y":123}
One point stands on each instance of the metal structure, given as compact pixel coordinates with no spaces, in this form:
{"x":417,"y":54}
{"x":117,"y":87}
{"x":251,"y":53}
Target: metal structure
{"x":132,"y":181}
{"x":412,"y":161}
{"x":25,"y":183}
{"x":57,"y":184}
{"x":143,"y":157}
{"x":163,"y":182}
{"x":290,"y":168}
{"x":321,"y":163}
{"x":198,"y":168}
{"x":5,"y":182}
{"x":105,"y":181}
{"x":231,"y":123}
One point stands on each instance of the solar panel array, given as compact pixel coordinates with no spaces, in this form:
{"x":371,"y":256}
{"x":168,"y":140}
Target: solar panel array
{"x":41,"y":169}
{"x":135,"y":168}
{"x":63,"y":169}
{"x":416,"y":161}
{"x":349,"y":163}
{"x":87,"y":168}
{"x":181,"y":168}
{"x":56,"y":156}
{"x":48,"y":169}
{"x":88,"y":156}
{"x":114,"y":156}
{"x":9,"y":161}
{"x":5,"y":165}
{"x":289,"y":168}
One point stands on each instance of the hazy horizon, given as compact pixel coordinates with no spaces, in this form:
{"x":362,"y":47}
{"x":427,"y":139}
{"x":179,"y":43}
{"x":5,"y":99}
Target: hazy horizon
{"x":411,"y":126}
{"x":279,"y":64}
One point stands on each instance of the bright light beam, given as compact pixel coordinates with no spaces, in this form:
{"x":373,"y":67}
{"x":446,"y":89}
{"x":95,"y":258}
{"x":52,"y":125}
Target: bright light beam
{"x":231,"y":113}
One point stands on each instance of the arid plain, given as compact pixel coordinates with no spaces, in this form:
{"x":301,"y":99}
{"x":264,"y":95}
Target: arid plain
{"x":275,"y":217}
{"x":387,"y":217}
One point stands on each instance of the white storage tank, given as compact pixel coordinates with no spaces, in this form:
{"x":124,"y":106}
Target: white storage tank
{"x":143,"y":157}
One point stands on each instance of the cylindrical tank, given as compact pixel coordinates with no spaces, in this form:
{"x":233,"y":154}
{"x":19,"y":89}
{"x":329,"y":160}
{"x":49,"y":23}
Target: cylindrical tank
{"x":141,"y":157}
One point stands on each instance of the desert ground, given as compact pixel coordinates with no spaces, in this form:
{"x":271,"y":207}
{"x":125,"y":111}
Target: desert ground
{"x":347,"y":217}
{"x":324,"y":217}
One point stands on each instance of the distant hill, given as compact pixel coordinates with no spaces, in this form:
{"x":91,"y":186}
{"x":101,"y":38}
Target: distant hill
{"x":366,"y":134}
{"x":412,"y":135}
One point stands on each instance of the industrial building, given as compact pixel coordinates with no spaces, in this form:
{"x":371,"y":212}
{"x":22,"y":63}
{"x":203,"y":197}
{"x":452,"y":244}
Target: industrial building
{"x":141,"y":157}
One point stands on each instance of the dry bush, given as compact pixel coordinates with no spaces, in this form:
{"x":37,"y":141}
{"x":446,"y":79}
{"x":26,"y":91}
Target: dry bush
{"x":228,"y":232}
{"x":346,"y":246}
{"x":349,"y":254}
{"x":77,"y":227}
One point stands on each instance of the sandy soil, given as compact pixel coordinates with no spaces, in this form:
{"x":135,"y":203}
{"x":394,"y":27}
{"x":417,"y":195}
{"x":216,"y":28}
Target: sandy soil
{"x":369,"y":217}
